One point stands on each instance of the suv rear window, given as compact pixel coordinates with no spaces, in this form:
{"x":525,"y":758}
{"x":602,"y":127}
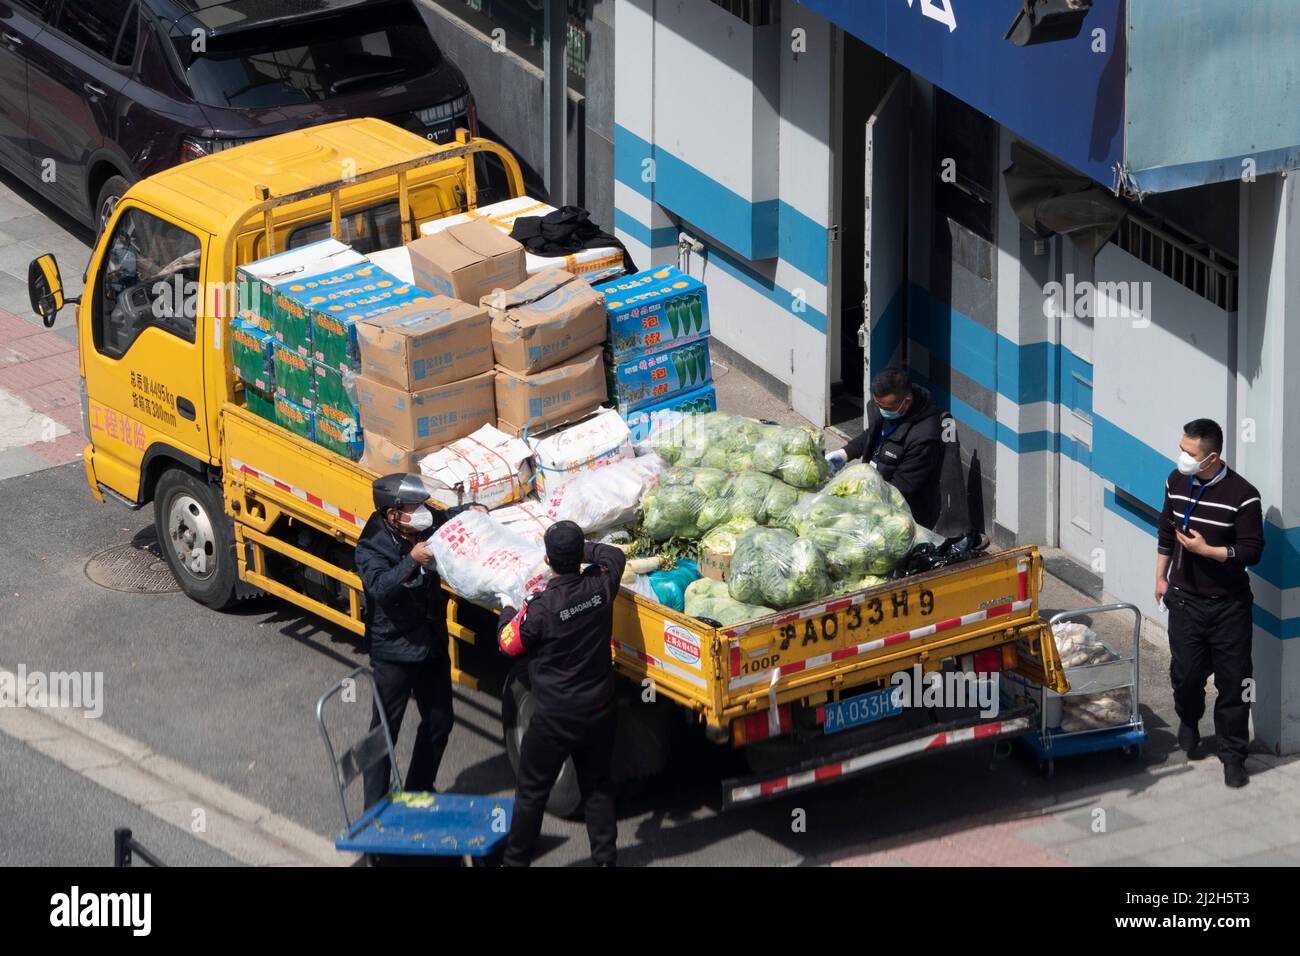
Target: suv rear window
{"x":317,"y":59}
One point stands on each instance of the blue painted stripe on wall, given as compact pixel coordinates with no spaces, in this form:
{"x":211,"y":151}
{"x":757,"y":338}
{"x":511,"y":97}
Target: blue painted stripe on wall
{"x":1283,"y":628}
{"x":654,"y":238}
{"x":1134,"y":516}
{"x":757,"y":230}
{"x":736,"y":268}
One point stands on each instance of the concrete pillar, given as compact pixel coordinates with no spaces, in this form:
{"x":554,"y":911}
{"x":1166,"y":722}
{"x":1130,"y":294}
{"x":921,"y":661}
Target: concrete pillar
{"x":1268,"y":442}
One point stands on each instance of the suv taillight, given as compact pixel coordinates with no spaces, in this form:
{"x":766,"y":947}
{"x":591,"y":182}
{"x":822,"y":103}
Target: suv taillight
{"x":194,"y":147}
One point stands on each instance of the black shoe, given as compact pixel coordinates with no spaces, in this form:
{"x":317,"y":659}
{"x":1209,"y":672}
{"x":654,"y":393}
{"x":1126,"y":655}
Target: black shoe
{"x":1234,"y":775}
{"x":1189,"y":741}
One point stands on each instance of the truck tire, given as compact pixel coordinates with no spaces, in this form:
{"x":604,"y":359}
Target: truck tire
{"x":196,"y":537}
{"x":516,"y":714}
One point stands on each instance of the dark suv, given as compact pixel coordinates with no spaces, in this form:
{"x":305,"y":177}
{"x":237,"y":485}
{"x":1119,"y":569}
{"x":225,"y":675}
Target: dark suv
{"x":95,"y":94}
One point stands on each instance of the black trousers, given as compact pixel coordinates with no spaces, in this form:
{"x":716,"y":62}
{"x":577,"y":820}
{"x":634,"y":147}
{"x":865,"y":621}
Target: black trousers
{"x":1212,"y":636}
{"x":429,"y":682}
{"x":550,"y":739}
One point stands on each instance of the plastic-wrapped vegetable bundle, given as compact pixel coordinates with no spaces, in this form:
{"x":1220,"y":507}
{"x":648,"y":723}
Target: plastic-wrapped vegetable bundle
{"x":858,"y":537}
{"x":479,"y":559}
{"x":723,"y":538}
{"x":605,"y":497}
{"x":794,"y":454}
{"x":849,"y":585}
{"x":774,"y":568}
{"x":686,"y":503}
{"x":862,"y":481}
{"x":710,"y":599}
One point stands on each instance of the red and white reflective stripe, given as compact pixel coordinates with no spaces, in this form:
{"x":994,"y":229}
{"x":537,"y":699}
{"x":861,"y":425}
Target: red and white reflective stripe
{"x":821,"y":660}
{"x":885,"y":755}
{"x":665,"y":666}
{"x":306,"y":496}
{"x":1022,"y":578}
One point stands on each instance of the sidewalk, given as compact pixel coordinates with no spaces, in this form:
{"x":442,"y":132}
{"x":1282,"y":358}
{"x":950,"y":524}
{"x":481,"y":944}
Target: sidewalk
{"x":40,"y":413}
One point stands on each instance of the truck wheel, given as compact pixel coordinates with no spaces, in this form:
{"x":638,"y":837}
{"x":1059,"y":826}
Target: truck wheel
{"x":516,"y":714}
{"x":195,"y":537}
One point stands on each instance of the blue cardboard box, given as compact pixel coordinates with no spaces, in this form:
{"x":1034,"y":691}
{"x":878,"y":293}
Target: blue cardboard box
{"x":642,"y":421}
{"x":654,"y":310}
{"x":654,"y":377}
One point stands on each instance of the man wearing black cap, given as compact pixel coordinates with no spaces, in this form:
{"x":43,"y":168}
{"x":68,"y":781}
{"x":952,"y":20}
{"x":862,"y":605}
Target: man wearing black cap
{"x":566,"y":631}
{"x":406,"y":623}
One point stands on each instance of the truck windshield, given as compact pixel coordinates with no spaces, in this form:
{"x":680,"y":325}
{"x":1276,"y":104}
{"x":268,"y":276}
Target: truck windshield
{"x":310,"y":61}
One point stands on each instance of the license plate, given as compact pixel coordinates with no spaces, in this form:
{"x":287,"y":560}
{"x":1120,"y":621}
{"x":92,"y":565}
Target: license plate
{"x":856,"y":711}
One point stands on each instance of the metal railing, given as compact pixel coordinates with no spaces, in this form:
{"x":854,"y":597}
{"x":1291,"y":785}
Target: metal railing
{"x":1192,"y":263}
{"x":124,"y":845}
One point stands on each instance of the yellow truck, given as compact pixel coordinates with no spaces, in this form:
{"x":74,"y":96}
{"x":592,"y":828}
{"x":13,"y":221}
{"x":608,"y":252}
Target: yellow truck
{"x":242,"y":506}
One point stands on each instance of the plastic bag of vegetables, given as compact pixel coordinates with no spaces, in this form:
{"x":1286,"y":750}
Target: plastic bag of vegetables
{"x":796,"y":455}
{"x":710,"y":599}
{"x":686,"y":503}
{"x":606,"y":497}
{"x":723,"y":538}
{"x":860,"y":480}
{"x":686,"y":440}
{"x":775,"y":568}
{"x":482,"y":560}
{"x":857,"y":536}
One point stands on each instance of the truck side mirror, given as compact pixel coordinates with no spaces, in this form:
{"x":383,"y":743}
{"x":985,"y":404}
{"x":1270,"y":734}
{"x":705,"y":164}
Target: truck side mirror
{"x":45,"y":288}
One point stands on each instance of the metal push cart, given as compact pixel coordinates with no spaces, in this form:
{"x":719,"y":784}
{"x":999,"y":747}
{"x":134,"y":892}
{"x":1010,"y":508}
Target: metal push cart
{"x":408,"y":824}
{"x":1119,"y":674}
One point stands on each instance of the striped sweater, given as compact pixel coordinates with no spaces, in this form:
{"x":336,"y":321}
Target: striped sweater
{"x":1229,"y":514}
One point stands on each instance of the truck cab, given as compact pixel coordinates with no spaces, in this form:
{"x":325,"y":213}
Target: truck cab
{"x":160,"y":291}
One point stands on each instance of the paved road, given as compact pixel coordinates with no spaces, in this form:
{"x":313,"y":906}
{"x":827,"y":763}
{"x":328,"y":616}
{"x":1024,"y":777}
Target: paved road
{"x":231,"y":696}
{"x":57,"y":817}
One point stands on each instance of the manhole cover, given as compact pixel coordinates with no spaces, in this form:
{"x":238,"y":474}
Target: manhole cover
{"x":137,"y":567}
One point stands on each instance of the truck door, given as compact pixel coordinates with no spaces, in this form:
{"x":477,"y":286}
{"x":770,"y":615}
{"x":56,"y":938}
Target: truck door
{"x":142,"y":355}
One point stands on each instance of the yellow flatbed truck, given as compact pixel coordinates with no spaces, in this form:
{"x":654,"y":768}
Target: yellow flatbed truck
{"x":244,"y":506}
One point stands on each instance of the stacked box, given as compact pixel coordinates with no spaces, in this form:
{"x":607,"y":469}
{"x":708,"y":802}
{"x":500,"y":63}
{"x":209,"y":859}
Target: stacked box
{"x":263,"y":406}
{"x":251,"y":351}
{"x":653,"y":310}
{"x":528,"y":404}
{"x":428,"y":416}
{"x":546,"y":320}
{"x":427,"y":343}
{"x":642,"y":421}
{"x":338,"y":419}
{"x":295,"y":375}
{"x":334,"y":302}
{"x":258,"y":284}
{"x":657,"y":376}
{"x":297,"y":418}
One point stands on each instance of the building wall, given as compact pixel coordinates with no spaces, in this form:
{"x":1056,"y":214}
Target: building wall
{"x":509,"y":91}
{"x":722,"y":132}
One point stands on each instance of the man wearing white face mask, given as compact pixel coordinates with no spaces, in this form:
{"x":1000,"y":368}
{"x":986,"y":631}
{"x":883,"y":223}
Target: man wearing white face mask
{"x":406,"y":623}
{"x":1211,"y":530}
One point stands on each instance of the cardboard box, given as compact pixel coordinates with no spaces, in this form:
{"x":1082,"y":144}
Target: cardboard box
{"x":260,"y":404}
{"x":642,"y":421}
{"x":655,"y":377}
{"x":544,"y":400}
{"x":387,"y":457}
{"x":256,"y":282}
{"x":295,"y":375}
{"x":714,"y":565}
{"x":653,"y":310}
{"x":467,"y":261}
{"x":545,"y":320}
{"x":296,"y":417}
{"x":426,"y":343}
{"x":252,"y":355}
{"x":487,"y":467}
{"x":430,"y":416}
{"x":595,"y":264}
{"x":338,"y":420}
{"x":334,"y":302}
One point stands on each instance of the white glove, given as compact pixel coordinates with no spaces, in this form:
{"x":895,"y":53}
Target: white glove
{"x":837,"y":460}
{"x":504,"y":600}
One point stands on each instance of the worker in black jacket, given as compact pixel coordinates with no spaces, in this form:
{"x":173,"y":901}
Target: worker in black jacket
{"x":406,"y":623}
{"x":1211,"y":530}
{"x":566,"y":631}
{"x":904,"y":440}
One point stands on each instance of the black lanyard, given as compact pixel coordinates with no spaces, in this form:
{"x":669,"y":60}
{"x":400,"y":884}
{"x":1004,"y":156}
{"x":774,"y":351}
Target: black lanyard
{"x":884,"y":433}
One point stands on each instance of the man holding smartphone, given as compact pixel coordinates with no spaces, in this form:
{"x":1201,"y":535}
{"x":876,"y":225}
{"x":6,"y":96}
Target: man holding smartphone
{"x":1211,"y":530}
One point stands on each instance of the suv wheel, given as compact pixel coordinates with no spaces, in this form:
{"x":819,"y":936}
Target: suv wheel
{"x":106,"y":201}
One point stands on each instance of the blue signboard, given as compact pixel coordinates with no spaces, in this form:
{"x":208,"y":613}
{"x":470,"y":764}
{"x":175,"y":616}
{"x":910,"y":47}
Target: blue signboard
{"x":1065,"y":97}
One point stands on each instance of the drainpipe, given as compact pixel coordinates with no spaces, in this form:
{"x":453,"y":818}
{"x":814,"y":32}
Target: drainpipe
{"x":556,"y":96}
